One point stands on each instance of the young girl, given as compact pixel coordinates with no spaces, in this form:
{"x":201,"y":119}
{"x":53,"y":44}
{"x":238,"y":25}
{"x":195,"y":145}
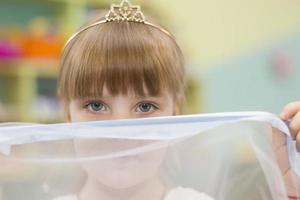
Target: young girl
{"x":124,"y":67}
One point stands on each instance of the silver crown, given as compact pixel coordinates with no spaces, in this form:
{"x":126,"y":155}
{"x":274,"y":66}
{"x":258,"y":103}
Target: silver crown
{"x":125,"y":12}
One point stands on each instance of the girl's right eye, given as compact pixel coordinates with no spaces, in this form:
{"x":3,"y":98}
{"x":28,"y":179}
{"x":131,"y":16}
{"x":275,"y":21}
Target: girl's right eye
{"x":95,"y":107}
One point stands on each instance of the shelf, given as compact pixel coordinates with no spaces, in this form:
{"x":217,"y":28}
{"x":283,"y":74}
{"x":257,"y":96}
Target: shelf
{"x":22,"y":85}
{"x":27,"y":83}
{"x":29,"y":67}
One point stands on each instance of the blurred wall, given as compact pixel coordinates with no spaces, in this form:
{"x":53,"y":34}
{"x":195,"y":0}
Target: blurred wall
{"x":264,"y":79}
{"x":243,"y":54}
{"x":214,"y":30}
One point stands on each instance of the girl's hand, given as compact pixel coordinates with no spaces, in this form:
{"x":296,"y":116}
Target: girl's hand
{"x":292,"y":112}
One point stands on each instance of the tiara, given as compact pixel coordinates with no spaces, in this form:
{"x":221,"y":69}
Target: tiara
{"x":125,"y":11}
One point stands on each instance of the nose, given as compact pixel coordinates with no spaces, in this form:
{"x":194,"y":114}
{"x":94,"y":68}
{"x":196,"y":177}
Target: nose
{"x":121,"y":115}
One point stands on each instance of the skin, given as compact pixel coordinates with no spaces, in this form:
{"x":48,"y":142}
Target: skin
{"x":292,"y":112}
{"x":137,"y":178}
{"x":110,"y":107}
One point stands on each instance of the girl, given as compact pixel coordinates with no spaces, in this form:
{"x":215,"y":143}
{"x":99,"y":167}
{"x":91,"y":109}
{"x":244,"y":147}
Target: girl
{"x":124,"y":67}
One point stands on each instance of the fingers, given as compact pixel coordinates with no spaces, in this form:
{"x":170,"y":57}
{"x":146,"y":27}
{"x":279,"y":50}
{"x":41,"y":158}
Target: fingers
{"x":295,"y":125}
{"x":278,"y":139}
{"x":280,"y":149}
{"x":298,"y":142}
{"x":291,"y":179}
{"x":290,"y":110}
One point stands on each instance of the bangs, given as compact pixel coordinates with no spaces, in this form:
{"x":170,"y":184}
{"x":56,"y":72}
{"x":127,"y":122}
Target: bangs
{"x":123,"y":58}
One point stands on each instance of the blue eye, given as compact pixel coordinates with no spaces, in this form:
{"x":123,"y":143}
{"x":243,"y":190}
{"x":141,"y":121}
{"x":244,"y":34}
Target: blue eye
{"x":146,"y":107}
{"x":95,"y":106}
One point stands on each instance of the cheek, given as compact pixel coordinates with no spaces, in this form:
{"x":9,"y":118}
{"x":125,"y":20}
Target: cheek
{"x":76,"y":114}
{"x":83,"y":116}
{"x":168,"y":110}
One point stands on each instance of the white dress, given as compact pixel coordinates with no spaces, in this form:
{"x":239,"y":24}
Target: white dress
{"x":178,"y":193}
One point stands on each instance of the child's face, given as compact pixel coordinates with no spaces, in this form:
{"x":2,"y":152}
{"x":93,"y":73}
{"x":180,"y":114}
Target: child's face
{"x":123,"y":172}
{"x":121,"y":106}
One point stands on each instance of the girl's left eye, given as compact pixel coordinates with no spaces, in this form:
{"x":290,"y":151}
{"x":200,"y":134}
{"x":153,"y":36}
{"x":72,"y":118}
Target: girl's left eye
{"x":146,"y":107}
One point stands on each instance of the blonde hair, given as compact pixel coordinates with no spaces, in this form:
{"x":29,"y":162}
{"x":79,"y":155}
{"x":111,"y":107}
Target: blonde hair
{"x":122,"y":57}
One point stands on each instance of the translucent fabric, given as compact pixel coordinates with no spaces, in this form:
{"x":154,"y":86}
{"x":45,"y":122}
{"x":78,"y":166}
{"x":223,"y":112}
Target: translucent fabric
{"x":227,"y":156}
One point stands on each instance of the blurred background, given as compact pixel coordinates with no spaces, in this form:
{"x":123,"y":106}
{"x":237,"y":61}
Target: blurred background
{"x":240,"y":55}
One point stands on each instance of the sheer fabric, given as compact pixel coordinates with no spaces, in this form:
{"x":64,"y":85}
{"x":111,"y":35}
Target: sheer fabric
{"x":225,"y":156}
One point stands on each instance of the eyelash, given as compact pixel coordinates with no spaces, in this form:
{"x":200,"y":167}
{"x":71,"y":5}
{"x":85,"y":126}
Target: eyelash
{"x":90,"y":103}
{"x":153,"y":106}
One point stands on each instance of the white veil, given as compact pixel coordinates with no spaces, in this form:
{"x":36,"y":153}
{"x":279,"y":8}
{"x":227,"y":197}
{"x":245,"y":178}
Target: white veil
{"x":213,"y":156}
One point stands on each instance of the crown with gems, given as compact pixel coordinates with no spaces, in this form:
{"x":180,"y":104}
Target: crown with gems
{"x":125,"y":12}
